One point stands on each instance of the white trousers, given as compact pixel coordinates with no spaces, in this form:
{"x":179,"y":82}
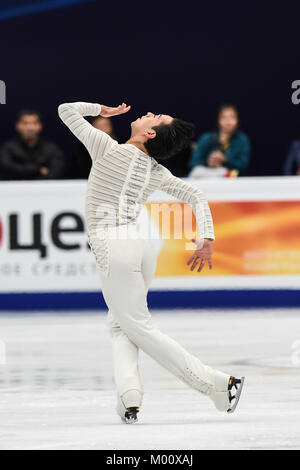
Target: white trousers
{"x":132,"y":263}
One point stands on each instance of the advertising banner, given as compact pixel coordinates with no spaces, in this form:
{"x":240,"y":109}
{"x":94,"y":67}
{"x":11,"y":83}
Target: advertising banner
{"x":43,"y":239}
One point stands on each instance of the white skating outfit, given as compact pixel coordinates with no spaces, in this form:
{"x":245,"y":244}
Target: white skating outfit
{"x":121,"y":180}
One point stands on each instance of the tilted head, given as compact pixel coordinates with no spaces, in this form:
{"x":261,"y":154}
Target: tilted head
{"x":29,"y":124}
{"x":162,"y":135}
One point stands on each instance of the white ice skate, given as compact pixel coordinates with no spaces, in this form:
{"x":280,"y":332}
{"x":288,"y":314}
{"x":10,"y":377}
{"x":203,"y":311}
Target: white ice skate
{"x":225,"y":400}
{"x":128,"y":406}
{"x":131,"y":415}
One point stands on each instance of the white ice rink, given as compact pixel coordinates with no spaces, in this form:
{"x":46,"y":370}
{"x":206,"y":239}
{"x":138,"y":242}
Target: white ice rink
{"x":57,"y":388}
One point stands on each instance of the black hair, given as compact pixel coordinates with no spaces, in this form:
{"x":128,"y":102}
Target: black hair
{"x":28,"y":112}
{"x":170,"y":139}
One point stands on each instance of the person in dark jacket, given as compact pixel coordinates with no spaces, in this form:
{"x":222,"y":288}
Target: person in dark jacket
{"x":29,"y":156}
{"x":228,"y":147}
{"x":292,"y":162}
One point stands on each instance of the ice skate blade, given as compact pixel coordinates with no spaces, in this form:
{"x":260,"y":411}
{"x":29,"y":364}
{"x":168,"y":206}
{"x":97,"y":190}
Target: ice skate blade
{"x":237,"y":396}
{"x":129,"y":420}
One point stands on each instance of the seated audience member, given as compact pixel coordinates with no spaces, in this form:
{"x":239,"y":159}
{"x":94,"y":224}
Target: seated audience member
{"x":29,"y":156}
{"x":225,"y":152}
{"x":82,"y":160}
{"x":292,"y":162}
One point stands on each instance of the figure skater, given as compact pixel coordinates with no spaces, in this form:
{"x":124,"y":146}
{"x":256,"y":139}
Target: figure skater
{"x":122,"y":178}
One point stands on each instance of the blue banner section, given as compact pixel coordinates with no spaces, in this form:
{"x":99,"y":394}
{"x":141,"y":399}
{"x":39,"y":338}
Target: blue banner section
{"x":13,"y":8}
{"x":248,"y":298}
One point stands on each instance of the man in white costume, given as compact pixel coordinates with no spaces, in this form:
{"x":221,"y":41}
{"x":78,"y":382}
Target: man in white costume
{"x":122,"y":178}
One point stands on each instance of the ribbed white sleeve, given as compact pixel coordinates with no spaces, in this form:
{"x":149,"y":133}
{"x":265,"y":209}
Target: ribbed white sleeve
{"x":96,"y":141}
{"x":191,"y":195}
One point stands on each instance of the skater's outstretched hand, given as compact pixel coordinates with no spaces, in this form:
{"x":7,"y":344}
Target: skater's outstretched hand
{"x":107,"y":111}
{"x":202,"y":254}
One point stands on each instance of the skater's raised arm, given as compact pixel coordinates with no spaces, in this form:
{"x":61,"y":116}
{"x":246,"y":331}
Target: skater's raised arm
{"x":96,"y":141}
{"x":195,"y":197}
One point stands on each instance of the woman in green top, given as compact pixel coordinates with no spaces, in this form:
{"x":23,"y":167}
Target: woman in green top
{"x":227,"y":147}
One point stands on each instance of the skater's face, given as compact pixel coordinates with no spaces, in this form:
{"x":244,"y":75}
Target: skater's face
{"x":144,"y":125}
{"x":29,"y":126}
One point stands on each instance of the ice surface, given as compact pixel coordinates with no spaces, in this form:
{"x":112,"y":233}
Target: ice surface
{"x":57,"y":389}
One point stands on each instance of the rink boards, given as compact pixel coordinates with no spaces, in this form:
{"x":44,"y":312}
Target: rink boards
{"x":45,"y":261}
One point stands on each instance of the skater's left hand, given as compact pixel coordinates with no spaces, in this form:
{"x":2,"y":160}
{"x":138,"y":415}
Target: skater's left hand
{"x":107,"y":111}
{"x":202,"y":254}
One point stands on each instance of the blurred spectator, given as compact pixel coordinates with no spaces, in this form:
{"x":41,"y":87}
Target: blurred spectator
{"x":29,"y":156}
{"x":292,"y":162}
{"x":82,"y":160}
{"x":224,"y":151}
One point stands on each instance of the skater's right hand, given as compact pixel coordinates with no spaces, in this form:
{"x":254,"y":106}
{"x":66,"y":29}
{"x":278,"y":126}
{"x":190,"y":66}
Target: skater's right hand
{"x":107,"y":111}
{"x":202,"y":254}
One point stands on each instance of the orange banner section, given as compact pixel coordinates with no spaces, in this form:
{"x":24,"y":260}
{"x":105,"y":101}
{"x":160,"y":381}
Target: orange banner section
{"x":257,"y":237}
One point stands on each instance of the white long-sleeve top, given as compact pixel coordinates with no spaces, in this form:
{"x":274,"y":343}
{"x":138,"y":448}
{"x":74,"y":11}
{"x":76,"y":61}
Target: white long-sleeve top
{"x":123,"y":177}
